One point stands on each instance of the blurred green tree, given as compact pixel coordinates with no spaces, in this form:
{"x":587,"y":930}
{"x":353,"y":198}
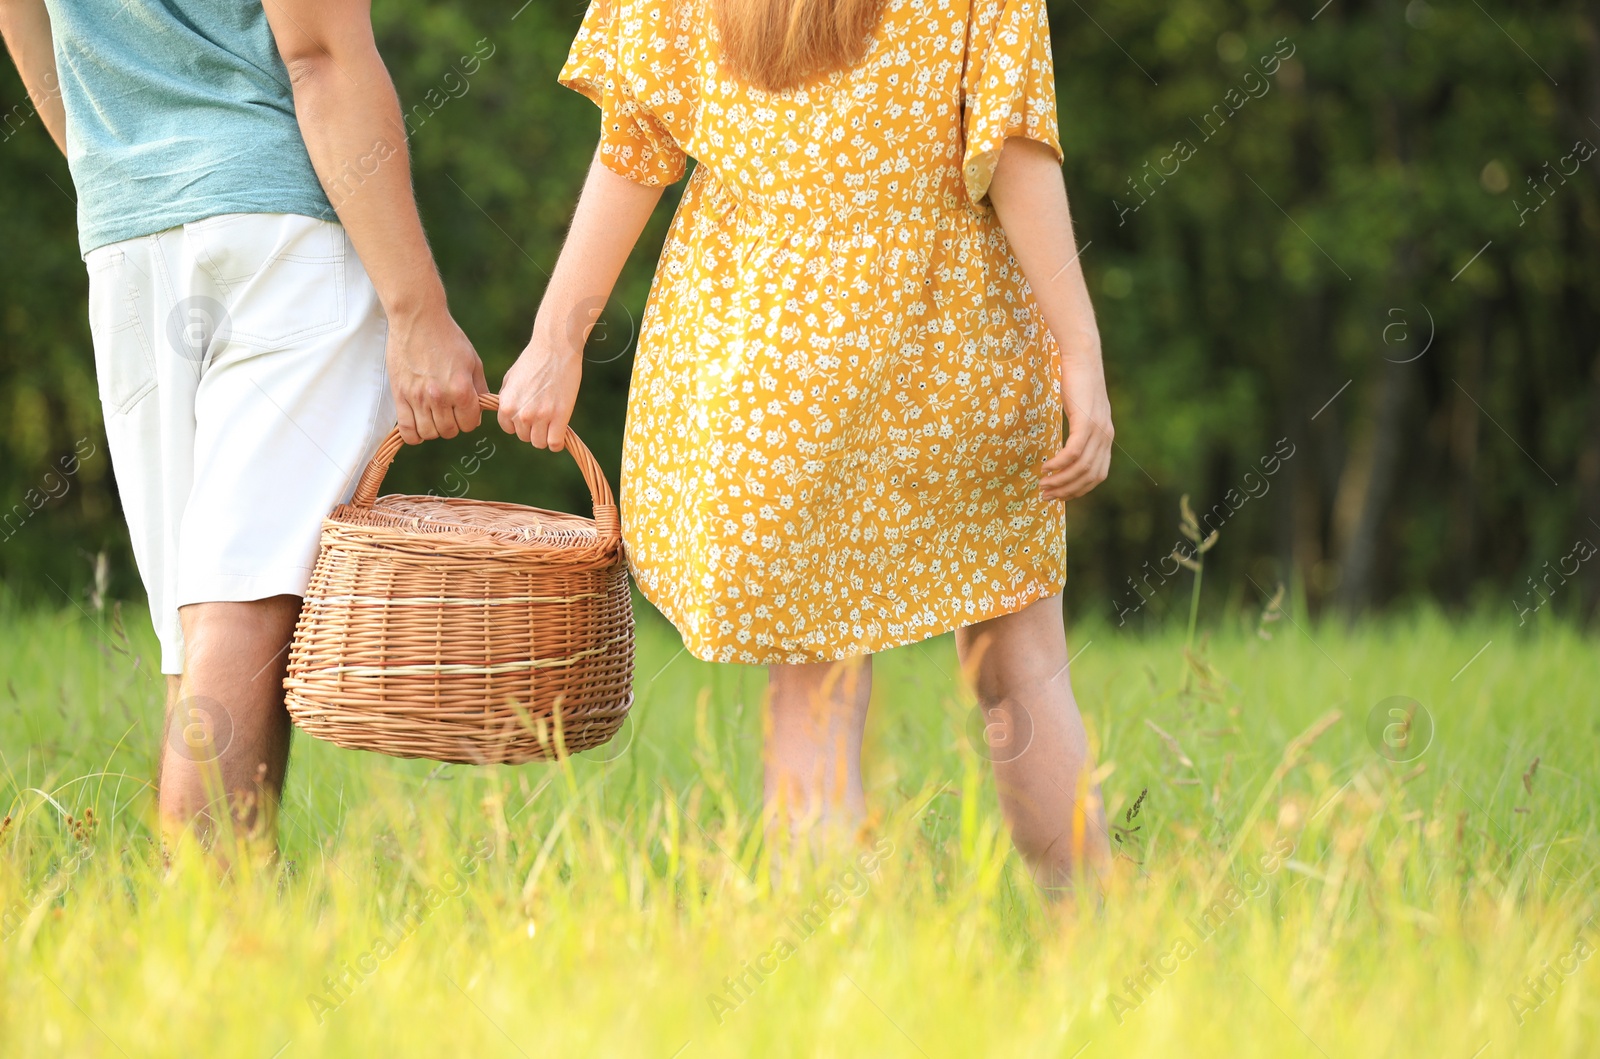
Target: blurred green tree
{"x":1346,"y":260}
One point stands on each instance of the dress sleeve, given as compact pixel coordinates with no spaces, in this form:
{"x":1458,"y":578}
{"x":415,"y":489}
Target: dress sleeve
{"x":618,"y":60}
{"x":1009,"y":88}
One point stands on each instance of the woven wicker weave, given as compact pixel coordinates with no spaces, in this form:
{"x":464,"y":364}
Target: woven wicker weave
{"x":464,"y":630}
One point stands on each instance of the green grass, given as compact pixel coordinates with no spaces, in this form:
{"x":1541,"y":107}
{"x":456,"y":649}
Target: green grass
{"x":1395,"y":909}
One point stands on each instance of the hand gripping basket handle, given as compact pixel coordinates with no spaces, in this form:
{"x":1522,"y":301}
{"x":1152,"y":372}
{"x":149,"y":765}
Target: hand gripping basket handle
{"x":605,"y":505}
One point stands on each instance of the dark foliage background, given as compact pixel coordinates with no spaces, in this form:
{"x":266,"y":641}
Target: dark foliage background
{"x":1365,"y":233}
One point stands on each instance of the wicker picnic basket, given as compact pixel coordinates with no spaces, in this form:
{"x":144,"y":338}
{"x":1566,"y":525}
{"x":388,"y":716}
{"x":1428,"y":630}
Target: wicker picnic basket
{"x":465,"y":630}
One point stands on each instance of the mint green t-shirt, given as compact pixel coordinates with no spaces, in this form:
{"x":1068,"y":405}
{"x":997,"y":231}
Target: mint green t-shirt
{"x":177,"y":110}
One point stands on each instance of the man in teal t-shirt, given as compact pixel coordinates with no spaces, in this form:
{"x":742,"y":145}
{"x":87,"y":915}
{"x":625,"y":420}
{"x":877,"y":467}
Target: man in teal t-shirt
{"x":252,"y":343}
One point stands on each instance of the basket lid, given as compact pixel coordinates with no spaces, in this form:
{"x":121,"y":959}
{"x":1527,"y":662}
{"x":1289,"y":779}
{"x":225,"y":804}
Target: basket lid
{"x":474,"y":523}
{"x":486,"y":520}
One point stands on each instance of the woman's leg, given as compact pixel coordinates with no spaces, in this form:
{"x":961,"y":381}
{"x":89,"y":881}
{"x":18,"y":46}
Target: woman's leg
{"x":816,"y":714}
{"x":1018,"y":665}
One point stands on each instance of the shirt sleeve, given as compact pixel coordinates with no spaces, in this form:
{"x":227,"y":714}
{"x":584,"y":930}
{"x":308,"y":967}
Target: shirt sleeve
{"x":1010,"y":86}
{"x":621,"y":60}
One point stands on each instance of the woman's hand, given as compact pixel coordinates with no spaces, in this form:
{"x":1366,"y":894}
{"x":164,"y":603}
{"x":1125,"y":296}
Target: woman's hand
{"x":539,"y":391}
{"x":1031,"y":201}
{"x":1085,"y":459}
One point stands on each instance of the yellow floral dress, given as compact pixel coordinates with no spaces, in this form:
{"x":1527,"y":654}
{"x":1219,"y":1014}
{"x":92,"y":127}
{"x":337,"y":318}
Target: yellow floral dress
{"x":843,"y":390}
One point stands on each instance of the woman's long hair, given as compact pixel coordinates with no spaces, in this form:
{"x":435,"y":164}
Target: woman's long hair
{"x":776,"y":44}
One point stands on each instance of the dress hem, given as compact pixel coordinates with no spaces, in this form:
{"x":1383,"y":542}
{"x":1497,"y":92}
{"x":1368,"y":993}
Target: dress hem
{"x":716,"y":650}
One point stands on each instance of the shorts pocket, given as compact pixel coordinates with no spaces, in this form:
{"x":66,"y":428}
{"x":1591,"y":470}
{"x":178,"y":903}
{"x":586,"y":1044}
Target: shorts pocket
{"x":124,"y":366}
{"x":282,"y":276}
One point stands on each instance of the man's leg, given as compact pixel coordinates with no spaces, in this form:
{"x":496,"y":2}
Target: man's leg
{"x":290,"y":399}
{"x":227,"y":738}
{"x":240,"y":361}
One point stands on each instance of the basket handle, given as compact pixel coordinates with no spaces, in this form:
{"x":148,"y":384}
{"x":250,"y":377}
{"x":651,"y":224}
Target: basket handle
{"x":605,"y":505}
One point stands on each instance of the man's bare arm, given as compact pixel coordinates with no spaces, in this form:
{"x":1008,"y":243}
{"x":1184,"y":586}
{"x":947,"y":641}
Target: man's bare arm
{"x":350,"y":119}
{"x":25,"y":25}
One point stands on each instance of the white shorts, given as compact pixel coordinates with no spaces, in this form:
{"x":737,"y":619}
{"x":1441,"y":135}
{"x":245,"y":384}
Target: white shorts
{"x":241,"y":367}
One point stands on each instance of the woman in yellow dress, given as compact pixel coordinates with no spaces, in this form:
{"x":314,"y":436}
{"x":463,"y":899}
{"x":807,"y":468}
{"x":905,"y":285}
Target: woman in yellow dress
{"x":844,"y":427}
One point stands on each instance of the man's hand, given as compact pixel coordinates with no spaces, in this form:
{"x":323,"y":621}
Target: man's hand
{"x":350,"y":119}
{"x":1085,"y":460}
{"x":436,"y":377}
{"x":539,"y":391}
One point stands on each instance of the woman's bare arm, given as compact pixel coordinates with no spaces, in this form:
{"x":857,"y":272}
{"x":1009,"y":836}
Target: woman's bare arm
{"x":539,"y":391}
{"x":1030,"y":198}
